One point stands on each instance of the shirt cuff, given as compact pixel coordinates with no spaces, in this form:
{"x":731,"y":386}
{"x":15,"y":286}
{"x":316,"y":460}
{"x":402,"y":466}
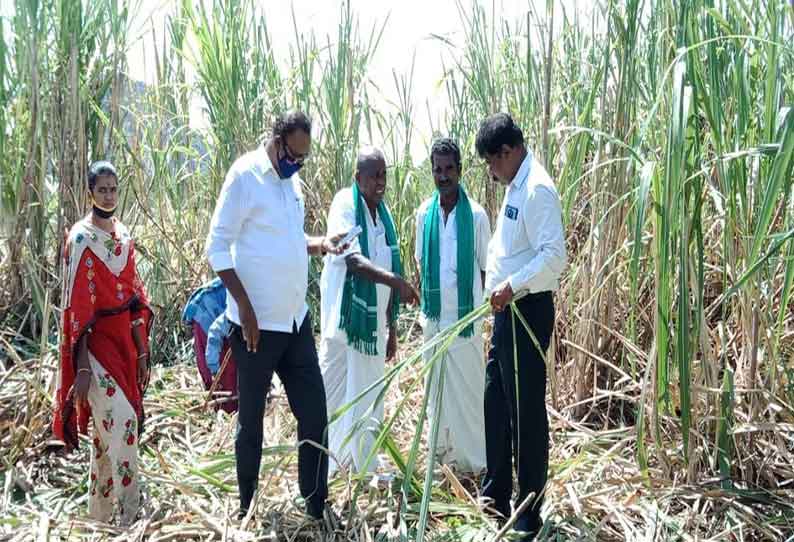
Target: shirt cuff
{"x":220,"y":261}
{"x":516,"y":284}
{"x":352,"y":249}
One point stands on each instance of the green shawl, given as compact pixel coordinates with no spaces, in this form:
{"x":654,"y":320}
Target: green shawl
{"x":431,"y":256}
{"x":359,"y":311}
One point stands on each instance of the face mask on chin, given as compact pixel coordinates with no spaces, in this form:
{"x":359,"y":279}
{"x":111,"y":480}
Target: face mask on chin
{"x":102,"y":212}
{"x":287,"y":167}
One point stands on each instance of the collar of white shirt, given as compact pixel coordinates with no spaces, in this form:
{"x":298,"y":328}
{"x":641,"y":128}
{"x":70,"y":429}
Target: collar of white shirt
{"x":523,"y":172}
{"x":445,"y":217}
{"x":268,"y":163}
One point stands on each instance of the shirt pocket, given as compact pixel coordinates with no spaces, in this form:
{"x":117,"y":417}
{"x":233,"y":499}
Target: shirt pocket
{"x":509,"y":229}
{"x":293,"y":201}
{"x":295,"y":208}
{"x":266,"y":211}
{"x":301,"y":208}
{"x":382,"y":255}
{"x":519,"y":241}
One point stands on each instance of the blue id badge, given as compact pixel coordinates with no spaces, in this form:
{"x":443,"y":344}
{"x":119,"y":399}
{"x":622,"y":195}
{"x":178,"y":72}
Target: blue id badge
{"x":511,"y":212}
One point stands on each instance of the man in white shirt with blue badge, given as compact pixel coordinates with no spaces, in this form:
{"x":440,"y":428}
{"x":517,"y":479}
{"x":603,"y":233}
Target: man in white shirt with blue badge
{"x":452,"y":235}
{"x":526,"y":257}
{"x":259,"y":249}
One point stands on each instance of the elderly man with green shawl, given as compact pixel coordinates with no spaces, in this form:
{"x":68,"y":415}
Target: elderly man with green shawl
{"x":360,"y":293}
{"x":452,"y":235}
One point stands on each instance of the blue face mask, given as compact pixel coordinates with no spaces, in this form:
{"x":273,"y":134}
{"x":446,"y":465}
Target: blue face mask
{"x":287,"y":167}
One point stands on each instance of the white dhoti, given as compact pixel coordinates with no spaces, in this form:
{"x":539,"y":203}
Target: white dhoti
{"x":461,"y":419}
{"x":461,"y":422}
{"x":347,"y":373}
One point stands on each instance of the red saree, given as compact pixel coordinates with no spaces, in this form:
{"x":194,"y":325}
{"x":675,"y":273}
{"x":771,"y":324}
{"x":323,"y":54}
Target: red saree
{"x":102,"y":296}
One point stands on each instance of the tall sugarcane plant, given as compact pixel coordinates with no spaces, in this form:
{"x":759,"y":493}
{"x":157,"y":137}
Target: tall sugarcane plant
{"x":667,"y":127}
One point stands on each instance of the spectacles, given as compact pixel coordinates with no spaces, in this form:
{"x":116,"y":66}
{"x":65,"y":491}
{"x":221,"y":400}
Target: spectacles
{"x":293,"y":157}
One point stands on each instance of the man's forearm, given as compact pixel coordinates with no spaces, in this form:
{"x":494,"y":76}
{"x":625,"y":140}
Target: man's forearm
{"x":362,"y":267}
{"x":314,"y":245}
{"x":232,"y":283}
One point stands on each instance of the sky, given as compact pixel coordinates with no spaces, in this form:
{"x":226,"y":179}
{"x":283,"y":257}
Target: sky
{"x":410,"y":24}
{"x":407,"y":38}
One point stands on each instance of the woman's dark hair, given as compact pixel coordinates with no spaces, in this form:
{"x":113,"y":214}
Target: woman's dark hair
{"x":445,"y":146}
{"x":495,"y":131}
{"x":99,"y":168}
{"x":288,"y":122}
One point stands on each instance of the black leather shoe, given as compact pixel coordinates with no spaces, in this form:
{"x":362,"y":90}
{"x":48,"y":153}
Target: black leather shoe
{"x":528,"y":525}
{"x":315,"y":510}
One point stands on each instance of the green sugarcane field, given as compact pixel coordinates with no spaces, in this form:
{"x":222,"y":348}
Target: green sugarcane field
{"x":667,"y":131}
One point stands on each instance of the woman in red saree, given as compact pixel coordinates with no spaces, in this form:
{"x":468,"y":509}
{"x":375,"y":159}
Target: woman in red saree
{"x":104,"y":366}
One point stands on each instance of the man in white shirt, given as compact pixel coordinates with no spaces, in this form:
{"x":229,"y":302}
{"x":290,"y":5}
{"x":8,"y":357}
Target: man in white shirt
{"x":526,"y":257}
{"x":360,"y":291}
{"x":259,"y":249}
{"x":453,"y":231}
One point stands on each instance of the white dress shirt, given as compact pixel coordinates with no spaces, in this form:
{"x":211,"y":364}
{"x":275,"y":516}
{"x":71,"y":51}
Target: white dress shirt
{"x":341,"y":218}
{"x":528,"y":245}
{"x":448,"y":257}
{"x":257,"y":230}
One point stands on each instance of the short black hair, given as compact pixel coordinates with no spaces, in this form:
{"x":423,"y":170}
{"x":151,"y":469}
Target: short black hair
{"x":445,"y":146}
{"x":290,"y":121}
{"x":99,"y":168}
{"x":368,"y":154}
{"x":495,"y":131}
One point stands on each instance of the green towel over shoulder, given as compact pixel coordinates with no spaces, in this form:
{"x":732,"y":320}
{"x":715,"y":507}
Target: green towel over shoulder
{"x":359,"y":310}
{"x":431,"y":258}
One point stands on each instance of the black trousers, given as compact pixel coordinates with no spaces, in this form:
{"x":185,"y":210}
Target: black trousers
{"x":293,"y":357}
{"x":516,"y":426}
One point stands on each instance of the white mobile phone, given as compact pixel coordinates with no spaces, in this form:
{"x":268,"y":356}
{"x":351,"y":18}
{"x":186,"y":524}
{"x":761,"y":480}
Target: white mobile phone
{"x":352,"y":234}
